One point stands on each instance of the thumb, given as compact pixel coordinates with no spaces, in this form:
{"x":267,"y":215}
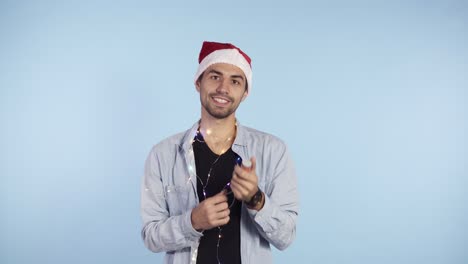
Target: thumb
{"x":223,"y":192}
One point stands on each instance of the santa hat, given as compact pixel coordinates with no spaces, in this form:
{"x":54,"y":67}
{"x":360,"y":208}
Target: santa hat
{"x":214,"y":52}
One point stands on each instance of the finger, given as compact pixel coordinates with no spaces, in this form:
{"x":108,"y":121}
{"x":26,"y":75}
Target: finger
{"x":254,"y":163}
{"x":219,"y":219}
{"x":218,"y":198}
{"x":238,"y":191}
{"x":212,"y":202}
{"x":223,"y":214}
{"x":221,"y":207}
{"x":240,"y":172}
{"x":217,"y":211}
{"x":222,"y":192}
{"x":222,"y":221}
{"x":245,"y":184}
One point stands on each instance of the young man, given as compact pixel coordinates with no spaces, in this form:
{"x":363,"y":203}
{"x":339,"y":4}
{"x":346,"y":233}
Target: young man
{"x":219,"y":192}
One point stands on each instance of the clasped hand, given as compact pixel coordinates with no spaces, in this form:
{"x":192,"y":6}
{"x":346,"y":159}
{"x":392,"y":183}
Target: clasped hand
{"x":244,"y":182}
{"x":214,"y":211}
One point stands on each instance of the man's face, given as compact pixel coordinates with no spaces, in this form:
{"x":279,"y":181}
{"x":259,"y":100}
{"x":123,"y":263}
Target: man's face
{"x":222,"y":88}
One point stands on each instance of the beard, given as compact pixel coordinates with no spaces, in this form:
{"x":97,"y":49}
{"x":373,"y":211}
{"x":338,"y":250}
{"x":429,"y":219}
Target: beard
{"x":218,"y":112}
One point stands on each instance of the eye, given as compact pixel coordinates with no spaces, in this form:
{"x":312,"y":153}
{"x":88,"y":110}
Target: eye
{"x":214,"y":77}
{"x":235,"y":82}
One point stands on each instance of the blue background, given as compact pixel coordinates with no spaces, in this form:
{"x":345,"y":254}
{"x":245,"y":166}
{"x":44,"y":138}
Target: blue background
{"x":371,"y":98}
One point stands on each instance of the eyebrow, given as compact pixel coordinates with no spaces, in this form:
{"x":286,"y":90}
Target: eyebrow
{"x":238,"y":76}
{"x":232,"y":76}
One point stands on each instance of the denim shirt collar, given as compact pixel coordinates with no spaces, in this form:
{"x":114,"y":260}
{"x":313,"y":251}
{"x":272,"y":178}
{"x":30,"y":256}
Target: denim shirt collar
{"x":189,"y":135}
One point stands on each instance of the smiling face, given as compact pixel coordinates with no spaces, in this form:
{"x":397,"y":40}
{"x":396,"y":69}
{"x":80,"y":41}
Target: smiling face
{"x":222,"y":88}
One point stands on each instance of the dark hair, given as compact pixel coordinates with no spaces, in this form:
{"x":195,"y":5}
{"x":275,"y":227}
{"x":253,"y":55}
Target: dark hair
{"x":201,"y":76}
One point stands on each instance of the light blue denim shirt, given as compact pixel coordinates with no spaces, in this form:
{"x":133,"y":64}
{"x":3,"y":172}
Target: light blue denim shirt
{"x":169,"y":193}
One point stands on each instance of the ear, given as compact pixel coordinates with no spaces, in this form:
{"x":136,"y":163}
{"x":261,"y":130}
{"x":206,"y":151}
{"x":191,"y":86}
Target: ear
{"x":246,"y":92}
{"x":197,"y":85}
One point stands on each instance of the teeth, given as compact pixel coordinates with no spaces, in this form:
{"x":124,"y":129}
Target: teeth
{"x":219,"y":100}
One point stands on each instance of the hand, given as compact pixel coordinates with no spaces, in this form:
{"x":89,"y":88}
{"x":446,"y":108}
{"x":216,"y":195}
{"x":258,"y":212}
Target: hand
{"x":244,"y":183}
{"x":212,"y":212}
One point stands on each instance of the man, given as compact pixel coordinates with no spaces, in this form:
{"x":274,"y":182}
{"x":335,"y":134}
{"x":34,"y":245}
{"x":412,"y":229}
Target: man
{"x":219,"y":192}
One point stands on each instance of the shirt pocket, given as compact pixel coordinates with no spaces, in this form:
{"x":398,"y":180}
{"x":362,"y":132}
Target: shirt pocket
{"x":177,"y":198}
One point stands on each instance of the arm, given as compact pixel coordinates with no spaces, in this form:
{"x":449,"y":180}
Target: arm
{"x":162,"y":232}
{"x":276,"y":220}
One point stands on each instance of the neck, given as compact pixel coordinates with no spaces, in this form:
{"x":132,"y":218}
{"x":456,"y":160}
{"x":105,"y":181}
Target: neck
{"x":219,"y":134}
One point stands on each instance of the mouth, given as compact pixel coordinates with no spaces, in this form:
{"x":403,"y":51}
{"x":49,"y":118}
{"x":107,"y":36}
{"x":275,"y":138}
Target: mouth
{"x":220,"y":100}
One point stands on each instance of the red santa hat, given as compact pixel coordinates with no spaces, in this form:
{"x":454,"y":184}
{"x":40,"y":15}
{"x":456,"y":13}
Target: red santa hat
{"x":214,"y":52}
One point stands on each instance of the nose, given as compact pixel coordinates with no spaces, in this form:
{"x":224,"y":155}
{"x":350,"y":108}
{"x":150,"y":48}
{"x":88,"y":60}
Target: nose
{"x":223,"y":87}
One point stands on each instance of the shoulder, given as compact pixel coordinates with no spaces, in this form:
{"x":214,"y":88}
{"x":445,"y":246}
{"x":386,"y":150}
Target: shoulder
{"x":169,"y":144}
{"x":175,"y":139}
{"x":262,"y":138}
{"x":174,"y":144}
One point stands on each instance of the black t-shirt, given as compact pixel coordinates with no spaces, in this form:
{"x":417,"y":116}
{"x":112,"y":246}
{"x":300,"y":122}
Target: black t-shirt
{"x":221,"y":174}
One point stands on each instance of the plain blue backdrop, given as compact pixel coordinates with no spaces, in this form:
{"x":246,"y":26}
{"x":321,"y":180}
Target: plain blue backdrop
{"x":370,"y":96}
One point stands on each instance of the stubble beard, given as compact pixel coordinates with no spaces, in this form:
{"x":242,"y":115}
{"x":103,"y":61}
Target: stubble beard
{"x":219,"y":113}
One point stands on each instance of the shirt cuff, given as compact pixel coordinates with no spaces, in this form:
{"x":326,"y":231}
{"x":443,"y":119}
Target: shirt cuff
{"x":261,"y":217}
{"x":187,"y":228}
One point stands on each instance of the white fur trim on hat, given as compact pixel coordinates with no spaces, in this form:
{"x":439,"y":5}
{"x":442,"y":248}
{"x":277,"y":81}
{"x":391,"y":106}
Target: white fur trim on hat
{"x":230,"y":56}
